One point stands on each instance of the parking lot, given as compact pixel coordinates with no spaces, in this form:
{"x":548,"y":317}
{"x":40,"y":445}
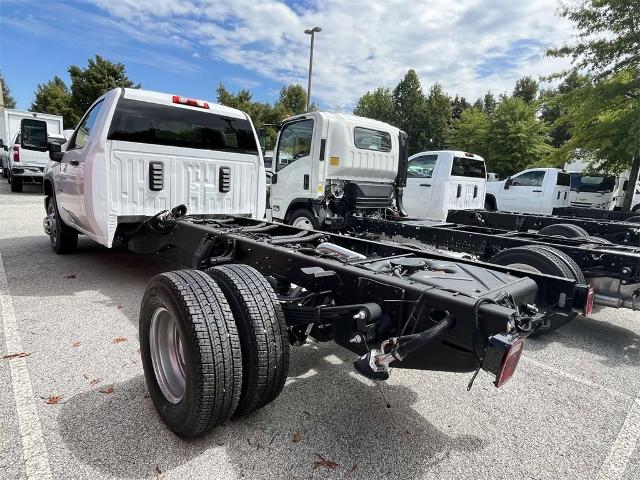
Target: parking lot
{"x":74,"y":401}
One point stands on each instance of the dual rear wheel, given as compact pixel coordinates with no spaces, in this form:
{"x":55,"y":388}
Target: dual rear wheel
{"x":213,"y":344}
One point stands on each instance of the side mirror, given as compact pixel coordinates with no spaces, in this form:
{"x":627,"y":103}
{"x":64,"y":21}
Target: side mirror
{"x":55,"y":151}
{"x":33,"y":134}
{"x":507,"y":183}
{"x":274,"y":178}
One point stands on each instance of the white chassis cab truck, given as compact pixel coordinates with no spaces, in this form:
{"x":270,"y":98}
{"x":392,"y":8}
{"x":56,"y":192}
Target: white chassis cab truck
{"x":330,"y":165}
{"x":535,"y":190}
{"x":440,"y":181}
{"x":136,"y":153}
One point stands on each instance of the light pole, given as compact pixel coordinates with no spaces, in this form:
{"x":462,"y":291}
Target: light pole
{"x":312,"y":32}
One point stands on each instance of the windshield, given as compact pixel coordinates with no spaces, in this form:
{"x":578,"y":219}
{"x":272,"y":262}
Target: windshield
{"x":145,"y":122}
{"x":587,"y":184}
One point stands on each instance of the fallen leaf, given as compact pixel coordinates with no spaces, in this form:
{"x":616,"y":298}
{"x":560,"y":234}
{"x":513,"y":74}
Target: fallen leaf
{"x":296,"y":437}
{"x":86,"y":377}
{"x":273,"y":438}
{"x":11,"y":356}
{"x":159,"y":474}
{"x":306,"y":413}
{"x":158,"y":471}
{"x":108,"y":389}
{"x":354,"y":468}
{"x":77,"y":344}
{"x":53,"y":400}
{"x":119,"y":340}
{"x":120,"y":307}
{"x":71,"y":275}
{"x":94,"y":382}
{"x":324,"y":462}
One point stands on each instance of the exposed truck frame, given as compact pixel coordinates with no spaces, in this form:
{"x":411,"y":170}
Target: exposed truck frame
{"x":618,"y":232}
{"x":572,"y":212}
{"x":612,"y":270}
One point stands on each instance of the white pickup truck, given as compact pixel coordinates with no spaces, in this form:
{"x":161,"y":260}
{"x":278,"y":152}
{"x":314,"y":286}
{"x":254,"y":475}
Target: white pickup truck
{"x":535,"y":190}
{"x":136,"y":152}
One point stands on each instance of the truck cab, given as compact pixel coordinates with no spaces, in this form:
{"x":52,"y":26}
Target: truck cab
{"x":439,"y":181}
{"x":329,"y":165}
{"x":535,"y":190}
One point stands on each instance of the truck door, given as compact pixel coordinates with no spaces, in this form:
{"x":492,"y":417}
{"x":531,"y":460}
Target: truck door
{"x":69,"y":182}
{"x":419,"y":189}
{"x":293,"y":162}
{"x":525,"y":193}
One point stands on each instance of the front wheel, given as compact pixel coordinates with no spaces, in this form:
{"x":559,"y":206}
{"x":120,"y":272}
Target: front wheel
{"x":303,"y":219}
{"x":191,"y":352}
{"x":63,"y":238}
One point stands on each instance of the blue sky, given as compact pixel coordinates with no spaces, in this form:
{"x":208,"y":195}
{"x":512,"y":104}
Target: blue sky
{"x":188,"y":47}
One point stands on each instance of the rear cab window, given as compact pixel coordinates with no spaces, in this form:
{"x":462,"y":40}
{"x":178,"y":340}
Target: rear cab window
{"x":564,"y":179}
{"x":369,"y":139}
{"x":151,"y":123}
{"x":468,"y":167}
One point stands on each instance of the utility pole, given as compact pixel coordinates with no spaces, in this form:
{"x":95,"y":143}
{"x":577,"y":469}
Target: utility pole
{"x":312,"y":32}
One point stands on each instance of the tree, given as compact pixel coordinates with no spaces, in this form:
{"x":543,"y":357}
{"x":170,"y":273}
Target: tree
{"x":292,"y":100}
{"x":608,"y":49}
{"x":489,"y":103}
{"x":100,"y":76}
{"x":516,"y":138}
{"x":377,"y":104}
{"x":409,"y":104}
{"x":527,"y":89}
{"x":469,"y":132}
{"x":458,"y":105}
{"x":438,"y":108}
{"x":9,"y":101}
{"x":54,"y":97}
{"x":478,"y":104}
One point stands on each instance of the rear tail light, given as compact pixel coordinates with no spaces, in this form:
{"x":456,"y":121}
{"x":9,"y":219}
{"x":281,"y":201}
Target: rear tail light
{"x":502,"y":357}
{"x":190,"y":101}
{"x":16,"y":154}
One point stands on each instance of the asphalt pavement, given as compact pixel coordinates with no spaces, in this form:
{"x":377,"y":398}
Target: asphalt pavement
{"x":74,"y":403}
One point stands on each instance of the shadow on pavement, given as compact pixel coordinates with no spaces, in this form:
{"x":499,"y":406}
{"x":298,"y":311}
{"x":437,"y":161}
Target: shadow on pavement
{"x":335,"y":415}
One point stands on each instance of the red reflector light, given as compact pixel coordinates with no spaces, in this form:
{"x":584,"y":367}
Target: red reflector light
{"x":588,"y":306}
{"x":509,"y":362}
{"x":190,"y":102}
{"x":16,"y":153}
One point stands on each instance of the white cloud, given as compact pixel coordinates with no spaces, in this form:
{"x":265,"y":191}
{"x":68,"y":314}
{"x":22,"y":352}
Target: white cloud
{"x":469,"y":46}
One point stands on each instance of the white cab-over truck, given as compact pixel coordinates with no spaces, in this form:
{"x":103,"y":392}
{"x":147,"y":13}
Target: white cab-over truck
{"x":535,"y":190}
{"x":593,"y":190}
{"x":136,"y":152}
{"x":20,"y":164}
{"x":329,"y":166}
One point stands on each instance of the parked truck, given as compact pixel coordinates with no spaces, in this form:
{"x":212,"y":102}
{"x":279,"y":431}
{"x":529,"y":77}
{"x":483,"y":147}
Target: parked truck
{"x":591,"y":190}
{"x":215,"y":338}
{"x":535,"y":190}
{"x":25,"y":165}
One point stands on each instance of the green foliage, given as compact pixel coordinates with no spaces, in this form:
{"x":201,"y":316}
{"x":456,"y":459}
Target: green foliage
{"x":292,"y":100}
{"x":100,"y":76}
{"x":377,"y":104}
{"x":489,"y":103}
{"x":438,"y":108}
{"x":9,"y":101}
{"x":469,"y":132}
{"x":516,"y":138}
{"x":458,"y":105}
{"x":54,"y":97}
{"x":527,"y":89}
{"x":411,"y":111}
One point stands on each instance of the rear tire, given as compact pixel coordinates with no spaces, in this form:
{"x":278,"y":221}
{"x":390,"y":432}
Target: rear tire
{"x":304,"y":219}
{"x":190,"y":352}
{"x":16,"y":184}
{"x":566,"y":230}
{"x":63,"y":238}
{"x":545,"y":260}
{"x":263,"y":334}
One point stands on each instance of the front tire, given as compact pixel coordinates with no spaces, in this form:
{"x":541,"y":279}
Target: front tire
{"x":63,"y":238}
{"x":190,"y":351}
{"x":304,"y":219}
{"x":263,"y":334}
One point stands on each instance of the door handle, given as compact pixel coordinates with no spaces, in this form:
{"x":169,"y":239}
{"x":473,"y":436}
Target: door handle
{"x":425,"y":184}
{"x":537,"y":191}
{"x":74,"y":163}
{"x":305,"y":181}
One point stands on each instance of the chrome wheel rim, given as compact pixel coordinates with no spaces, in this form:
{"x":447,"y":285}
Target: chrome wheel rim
{"x":302,"y":223}
{"x":167,"y":355}
{"x":524,"y":267}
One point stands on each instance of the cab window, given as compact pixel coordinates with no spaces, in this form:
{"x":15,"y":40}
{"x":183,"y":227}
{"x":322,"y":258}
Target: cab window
{"x":295,"y":142}
{"x":368,"y":139}
{"x":81,"y":137}
{"x":422,"y":167}
{"x":529,"y":179}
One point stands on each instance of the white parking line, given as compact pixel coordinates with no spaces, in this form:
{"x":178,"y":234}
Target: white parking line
{"x":626,"y":443}
{"x":34,"y":449}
